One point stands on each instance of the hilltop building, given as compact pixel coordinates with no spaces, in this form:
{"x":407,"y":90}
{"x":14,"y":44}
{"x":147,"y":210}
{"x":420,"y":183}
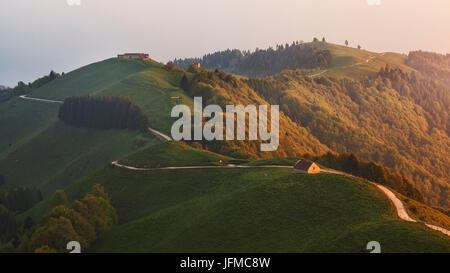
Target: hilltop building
{"x":141,"y":56}
{"x":303,"y":166}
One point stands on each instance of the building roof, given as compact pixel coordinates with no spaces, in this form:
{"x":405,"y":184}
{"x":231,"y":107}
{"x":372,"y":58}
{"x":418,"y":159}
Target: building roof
{"x":303,"y":165}
{"x":134,"y":54}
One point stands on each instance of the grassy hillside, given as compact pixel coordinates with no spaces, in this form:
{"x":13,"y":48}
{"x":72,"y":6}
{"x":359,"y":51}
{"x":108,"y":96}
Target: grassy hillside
{"x":170,"y":154}
{"x":92,"y":78}
{"x":152,"y":91}
{"x":62,"y":153}
{"x":251,"y":210}
{"x":21,"y":120}
{"x":245,"y":210}
{"x":350,"y":62}
{"x":147,"y":83}
{"x":54,"y":154}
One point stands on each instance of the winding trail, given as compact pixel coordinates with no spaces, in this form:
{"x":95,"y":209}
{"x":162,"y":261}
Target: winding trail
{"x":401,"y":211}
{"x":159,"y":135}
{"x":117,"y":164}
{"x":41,"y":100}
{"x":398,"y":204}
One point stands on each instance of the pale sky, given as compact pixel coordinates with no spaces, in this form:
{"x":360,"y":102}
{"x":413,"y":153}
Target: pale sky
{"x":37,"y":36}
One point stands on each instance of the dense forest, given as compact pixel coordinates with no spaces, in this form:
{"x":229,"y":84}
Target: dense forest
{"x":263,"y":62}
{"x":350,"y":163}
{"x":434,"y":65}
{"x":395,"y":119}
{"x":22,"y":88}
{"x":218,"y":87}
{"x":104,"y":112}
{"x":433,"y":97}
{"x":83,"y":221}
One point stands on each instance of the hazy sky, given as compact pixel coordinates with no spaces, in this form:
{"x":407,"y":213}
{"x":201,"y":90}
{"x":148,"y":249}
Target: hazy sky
{"x":37,"y":36}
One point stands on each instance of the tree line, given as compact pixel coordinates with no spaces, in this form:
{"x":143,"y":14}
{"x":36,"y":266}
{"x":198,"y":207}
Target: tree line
{"x":23,"y":88}
{"x":104,"y":112}
{"x":264,"y":62}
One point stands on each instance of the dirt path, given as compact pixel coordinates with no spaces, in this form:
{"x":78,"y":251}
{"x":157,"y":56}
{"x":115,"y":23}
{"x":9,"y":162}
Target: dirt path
{"x":398,"y":204}
{"x":443,"y":230}
{"x":159,"y":135}
{"x":117,"y":164}
{"x":41,"y":100}
{"x":401,"y":211}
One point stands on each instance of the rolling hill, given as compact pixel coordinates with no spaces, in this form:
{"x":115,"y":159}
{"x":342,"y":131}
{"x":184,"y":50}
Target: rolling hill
{"x":40,"y":140}
{"x":347,"y":106}
{"x":41,"y":151}
{"x":250,"y":210}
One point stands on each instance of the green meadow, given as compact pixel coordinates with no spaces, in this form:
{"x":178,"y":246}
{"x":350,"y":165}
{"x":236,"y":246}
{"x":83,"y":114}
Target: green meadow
{"x":251,"y":210}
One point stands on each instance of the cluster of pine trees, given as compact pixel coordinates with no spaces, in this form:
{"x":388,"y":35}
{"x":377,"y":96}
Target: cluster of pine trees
{"x":83,"y":221}
{"x":104,"y":112}
{"x":12,"y":202}
{"x":8,"y":224}
{"x":20,"y":199}
{"x":23,"y":88}
{"x":350,"y":163}
{"x":264,"y":62}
